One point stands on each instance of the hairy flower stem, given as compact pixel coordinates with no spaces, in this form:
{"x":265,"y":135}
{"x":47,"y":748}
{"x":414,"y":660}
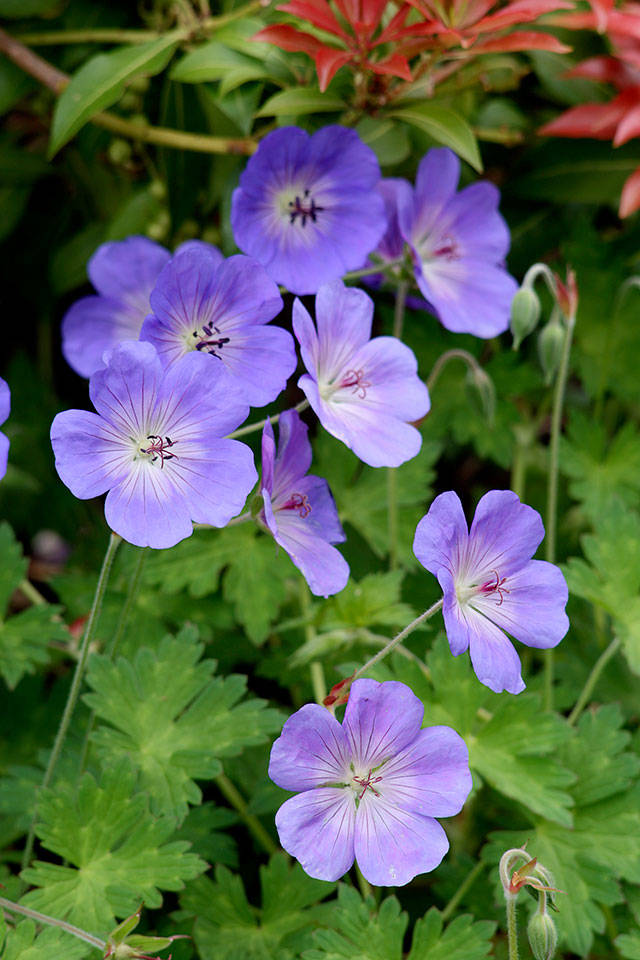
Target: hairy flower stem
{"x":392,"y":484}
{"x":466,"y":884}
{"x":552,"y":483}
{"x":76,"y":683}
{"x":512,"y":927}
{"x":444,"y":359}
{"x":52,"y":922}
{"x":316,"y":670}
{"x":381,"y":267}
{"x":592,"y":679}
{"x":252,"y":427}
{"x":398,"y":638}
{"x":235,"y":798}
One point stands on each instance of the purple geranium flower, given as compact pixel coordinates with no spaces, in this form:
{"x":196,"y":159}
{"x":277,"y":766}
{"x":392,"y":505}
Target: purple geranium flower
{"x":307,"y":207}
{"x":5,"y":407}
{"x":491,"y":584}
{"x":219,"y":308}
{"x":458,"y":242}
{"x":365,"y":392}
{"x":370,"y":788}
{"x":155,"y":445}
{"x":299,"y":510}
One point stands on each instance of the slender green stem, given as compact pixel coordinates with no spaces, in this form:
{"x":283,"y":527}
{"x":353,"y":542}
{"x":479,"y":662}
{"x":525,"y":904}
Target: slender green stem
{"x":392,"y":516}
{"x":444,"y":359}
{"x":52,"y":922}
{"x":399,"y":638}
{"x":316,"y":670}
{"x":380,"y":267}
{"x":252,"y":427}
{"x":552,"y":483}
{"x":252,"y":823}
{"x":318,"y":681}
{"x":32,"y":593}
{"x":512,"y":927}
{"x":181,"y":140}
{"x":466,"y":884}
{"x":398,"y":312}
{"x":76,"y":683}
{"x":519,"y":470}
{"x":592,"y":679}
{"x":365,"y":887}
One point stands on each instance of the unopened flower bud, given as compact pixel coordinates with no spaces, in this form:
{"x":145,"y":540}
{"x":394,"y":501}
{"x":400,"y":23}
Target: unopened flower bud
{"x":119,"y":151}
{"x":550,"y":345}
{"x":525,"y":313}
{"x":543,"y":936}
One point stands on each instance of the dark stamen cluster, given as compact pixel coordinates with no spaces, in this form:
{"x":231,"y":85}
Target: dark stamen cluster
{"x":206,"y":340}
{"x":158,"y":448}
{"x":297,"y":208}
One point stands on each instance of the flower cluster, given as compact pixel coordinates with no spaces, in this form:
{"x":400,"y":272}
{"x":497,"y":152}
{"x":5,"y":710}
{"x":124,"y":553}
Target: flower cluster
{"x":5,"y":409}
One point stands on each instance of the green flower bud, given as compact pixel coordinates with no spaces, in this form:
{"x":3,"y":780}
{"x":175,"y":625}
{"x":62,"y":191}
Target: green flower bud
{"x":543,"y":937}
{"x":550,"y":344}
{"x":525,"y":313}
{"x":119,"y":151}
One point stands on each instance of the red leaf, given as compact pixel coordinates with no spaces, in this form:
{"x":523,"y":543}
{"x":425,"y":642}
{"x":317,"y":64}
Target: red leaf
{"x":521,"y":40}
{"x":328,"y":62}
{"x":288,"y":38}
{"x":522,"y":11}
{"x":629,"y":126}
{"x":630,"y":196}
{"x":317,"y":12}
{"x":601,"y":70}
{"x":395,"y":65}
{"x":595,"y":120}
{"x":396,"y":23}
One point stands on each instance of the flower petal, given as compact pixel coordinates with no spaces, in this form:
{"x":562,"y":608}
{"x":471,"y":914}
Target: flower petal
{"x":294,"y":454}
{"x":91,"y":456}
{"x":343,"y":317}
{"x":94,"y":324}
{"x":125,"y":392}
{"x":430,"y":776}
{"x":312,"y":750}
{"x":380,"y":719}
{"x":126,"y":270}
{"x":323,"y":567}
{"x":504,"y":536}
{"x":393,"y":845}
{"x":214,"y":477}
{"x":200,"y":398}
{"x":317,"y":828}
{"x":493,"y":656}
{"x":5,"y":400}
{"x":468,"y":295}
{"x":147,"y":509}
{"x":442,"y":535}
{"x":4,"y":454}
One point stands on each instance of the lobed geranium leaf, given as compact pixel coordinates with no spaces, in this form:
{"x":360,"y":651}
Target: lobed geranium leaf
{"x":173,"y":719}
{"x":101,"y":81}
{"x":356,"y":928}
{"x":228,"y":927}
{"x":628,"y":945}
{"x":610,"y":576}
{"x":22,"y":943}
{"x":117,"y":852}
{"x":603,"y":846}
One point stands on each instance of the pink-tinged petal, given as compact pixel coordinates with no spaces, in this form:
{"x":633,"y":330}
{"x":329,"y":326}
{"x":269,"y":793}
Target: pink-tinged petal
{"x":125,"y":392}
{"x":493,"y":656}
{"x":395,"y":389}
{"x":442,"y":535}
{"x":214,"y":477}
{"x":380,"y":720}
{"x":392,"y":845}
{"x":305,"y":331}
{"x":469,"y":296}
{"x":323,"y":567}
{"x":147,"y":508}
{"x":4,"y":454}
{"x":294,"y":454}
{"x":311,"y":751}
{"x":126,"y":270}
{"x":91,"y":456}
{"x":317,"y":828}
{"x":430,"y":776}
{"x":5,"y":400}
{"x":455,"y":616}
{"x":530,"y":605}
{"x":343,"y":317}
{"x":504,"y":535}
{"x":93,"y":325}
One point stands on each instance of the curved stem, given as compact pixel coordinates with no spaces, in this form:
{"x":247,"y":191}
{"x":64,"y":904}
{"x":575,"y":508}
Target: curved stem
{"x":52,"y":922}
{"x":252,"y":427}
{"x":374,"y":268}
{"x":398,"y":312}
{"x":466,"y":884}
{"x":237,"y":801}
{"x":398,"y":638}
{"x":592,"y":679}
{"x":72,"y":698}
{"x":552,"y":482}
{"x":444,"y":359}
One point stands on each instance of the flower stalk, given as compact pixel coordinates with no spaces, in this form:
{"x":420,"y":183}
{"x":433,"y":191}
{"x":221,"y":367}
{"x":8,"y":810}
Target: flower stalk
{"x":52,"y":922}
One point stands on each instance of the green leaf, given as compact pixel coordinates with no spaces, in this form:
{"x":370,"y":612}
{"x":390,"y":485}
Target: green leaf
{"x":215,"y":61}
{"x":253,"y":568}
{"x":118,"y":853}
{"x":203,"y":829}
{"x":101,"y":81}
{"x":610,"y":576}
{"x":21,"y":9}
{"x":173,"y":719}
{"x":603,"y":845}
{"x":357,"y":929}
{"x":628,"y":945}
{"x":389,"y":140}
{"x":228,"y":927}
{"x":446,"y":127}
{"x":300,"y":101}
{"x":23,"y":944}
{"x":600,"y":470}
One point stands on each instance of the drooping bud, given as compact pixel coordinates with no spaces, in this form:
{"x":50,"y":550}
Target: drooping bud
{"x":550,"y":344}
{"x":567,"y":293}
{"x":525,"y":313}
{"x":480,"y":386}
{"x":338,"y":694}
{"x":543,"y":936}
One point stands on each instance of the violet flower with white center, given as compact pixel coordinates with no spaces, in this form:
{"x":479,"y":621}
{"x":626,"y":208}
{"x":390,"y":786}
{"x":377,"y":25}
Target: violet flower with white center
{"x":491,"y":584}
{"x":365,"y":392}
{"x":458,"y":242}
{"x":298,"y":508}
{"x":5,"y":408}
{"x":307,"y":207}
{"x":221,"y":309}
{"x":370,"y":789}
{"x":157,"y":445}
{"x":123,"y":273}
